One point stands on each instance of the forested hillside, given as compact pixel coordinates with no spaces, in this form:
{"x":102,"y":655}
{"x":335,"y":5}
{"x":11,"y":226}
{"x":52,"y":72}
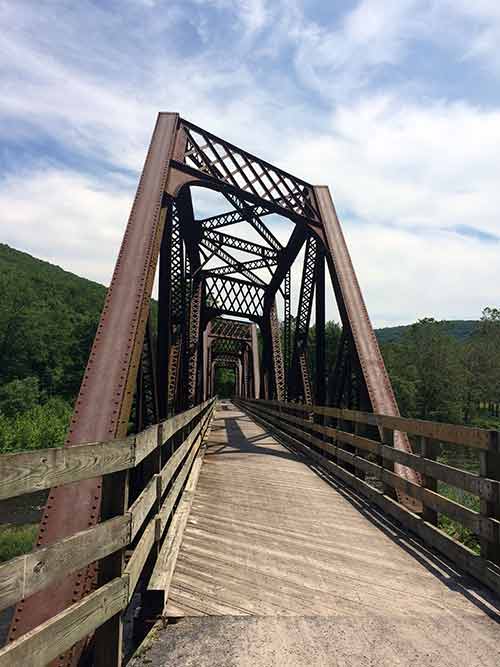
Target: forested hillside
{"x":447,"y":371}
{"x":459,"y":329}
{"x":47,"y":322}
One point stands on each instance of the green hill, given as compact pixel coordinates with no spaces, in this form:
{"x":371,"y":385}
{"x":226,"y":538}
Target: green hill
{"x":48,"y":317}
{"x":459,"y":329}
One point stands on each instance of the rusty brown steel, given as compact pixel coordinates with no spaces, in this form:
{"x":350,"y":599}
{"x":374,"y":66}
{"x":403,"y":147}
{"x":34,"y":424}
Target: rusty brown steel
{"x":103,"y":405}
{"x":375,"y":374}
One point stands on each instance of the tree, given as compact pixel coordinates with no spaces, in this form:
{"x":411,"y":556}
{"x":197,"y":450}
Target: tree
{"x":483,"y":365}
{"x":427,"y":369}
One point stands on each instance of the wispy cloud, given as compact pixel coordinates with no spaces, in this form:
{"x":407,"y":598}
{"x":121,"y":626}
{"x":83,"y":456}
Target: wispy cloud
{"x":364,"y":96}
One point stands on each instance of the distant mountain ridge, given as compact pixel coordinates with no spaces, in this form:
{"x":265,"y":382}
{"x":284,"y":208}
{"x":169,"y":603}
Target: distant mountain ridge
{"x":459,"y":329}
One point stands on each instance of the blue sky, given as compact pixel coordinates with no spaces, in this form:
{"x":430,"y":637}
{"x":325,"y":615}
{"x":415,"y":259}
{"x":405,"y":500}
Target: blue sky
{"x":394,"y":104}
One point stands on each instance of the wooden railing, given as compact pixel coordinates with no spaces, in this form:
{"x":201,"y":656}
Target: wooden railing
{"x":175,"y":447}
{"x":332,"y":438}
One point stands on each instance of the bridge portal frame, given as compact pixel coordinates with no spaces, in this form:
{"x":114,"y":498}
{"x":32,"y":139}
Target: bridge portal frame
{"x":162,"y":227}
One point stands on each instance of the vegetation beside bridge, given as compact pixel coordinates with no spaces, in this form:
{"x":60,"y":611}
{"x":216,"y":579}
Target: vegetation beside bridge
{"x":440,"y":371}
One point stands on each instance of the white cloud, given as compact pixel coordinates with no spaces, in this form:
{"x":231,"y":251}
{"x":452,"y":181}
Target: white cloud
{"x":65,"y":218}
{"x":415,"y":165}
{"x":94,"y":80}
{"x":405,"y":276}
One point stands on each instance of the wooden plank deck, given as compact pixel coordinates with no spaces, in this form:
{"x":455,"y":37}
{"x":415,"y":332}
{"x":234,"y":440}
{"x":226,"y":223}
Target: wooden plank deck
{"x":280,"y":567}
{"x":268,"y":536}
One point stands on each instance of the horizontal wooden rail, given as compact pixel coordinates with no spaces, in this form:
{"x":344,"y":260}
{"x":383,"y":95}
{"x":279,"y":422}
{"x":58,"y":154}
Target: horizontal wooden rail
{"x":477,"y":438}
{"x":27,"y":574}
{"x":489,"y":489}
{"x":27,"y":472}
{"x":331,"y":455}
{"x":50,"y":639}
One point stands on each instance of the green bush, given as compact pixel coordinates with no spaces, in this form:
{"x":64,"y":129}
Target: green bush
{"x":37,"y":428}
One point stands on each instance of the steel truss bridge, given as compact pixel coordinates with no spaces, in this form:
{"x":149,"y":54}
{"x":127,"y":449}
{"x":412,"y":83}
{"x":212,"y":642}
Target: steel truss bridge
{"x":331,"y":501}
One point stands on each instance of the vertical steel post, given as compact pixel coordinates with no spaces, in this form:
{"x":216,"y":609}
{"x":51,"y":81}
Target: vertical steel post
{"x":319,"y":380}
{"x":102,"y":409}
{"x":255,"y":363}
{"x":164,"y":332}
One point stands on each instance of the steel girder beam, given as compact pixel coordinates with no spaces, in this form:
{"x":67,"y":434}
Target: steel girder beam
{"x":248,"y":214}
{"x":172,"y":309}
{"x":319,"y":326}
{"x":103,"y":406}
{"x":146,"y":397}
{"x":287,"y":258}
{"x":239,"y":244}
{"x":244,"y":268}
{"x":230,"y":218}
{"x":194,"y":344}
{"x":374,"y":381}
{"x":272,"y":354}
{"x":229,"y":328}
{"x":233,"y":265}
{"x":300,"y":382}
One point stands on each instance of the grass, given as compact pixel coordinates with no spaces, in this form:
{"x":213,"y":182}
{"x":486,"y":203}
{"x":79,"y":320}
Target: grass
{"x":16,"y":540}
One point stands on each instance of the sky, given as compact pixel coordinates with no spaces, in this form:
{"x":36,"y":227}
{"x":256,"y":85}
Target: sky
{"x":395,"y":104}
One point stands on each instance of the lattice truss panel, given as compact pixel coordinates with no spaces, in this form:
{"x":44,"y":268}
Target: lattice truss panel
{"x":234,"y":296}
{"x":248,"y":173}
{"x":230,"y":329}
{"x":226,"y":360}
{"x":179,"y":297}
{"x":177,"y":267}
{"x":299,"y":382}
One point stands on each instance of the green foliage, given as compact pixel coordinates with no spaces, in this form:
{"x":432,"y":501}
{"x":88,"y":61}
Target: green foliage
{"x":16,"y":540}
{"x":454,"y":528}
{"x":426,"y":367}
{"x":18,"y":396}
{"x":462,"y":330}
{"x":224,"y":382}
{"x":38,"y":427}
{"x":47,"y":322}
{"x":332,"y":338}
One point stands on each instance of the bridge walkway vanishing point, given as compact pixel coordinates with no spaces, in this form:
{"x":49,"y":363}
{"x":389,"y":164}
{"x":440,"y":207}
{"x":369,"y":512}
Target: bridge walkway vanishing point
{"x":282,"y":566}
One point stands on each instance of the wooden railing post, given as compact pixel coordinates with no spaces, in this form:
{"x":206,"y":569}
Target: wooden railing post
{"x":429,"y":449}
{"x":490,"y":469}
{"x":387,"y":438}
{"x":108,"y":640}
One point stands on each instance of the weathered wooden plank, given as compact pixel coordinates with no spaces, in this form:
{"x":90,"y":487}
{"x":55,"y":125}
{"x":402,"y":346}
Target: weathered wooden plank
{"x":142,"y":505}
{"x":22,"y":576}
{"x":27,"y":472}
{"x":138,"y":558}
{"x":452,"y":433}
{"x":164,"y":568}
{"x":154,"y":530}
{"x":462,"y":479}
{"x":171,"y":498}
{"x":435,"y":538}
{"x":49,"y":640}
{"x":147,"y":441}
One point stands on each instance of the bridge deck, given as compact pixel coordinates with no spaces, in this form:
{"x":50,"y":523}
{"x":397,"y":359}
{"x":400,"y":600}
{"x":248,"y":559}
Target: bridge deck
{"x":269,"y":537}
